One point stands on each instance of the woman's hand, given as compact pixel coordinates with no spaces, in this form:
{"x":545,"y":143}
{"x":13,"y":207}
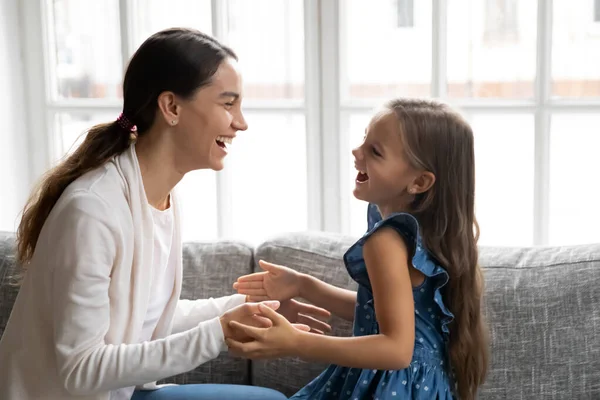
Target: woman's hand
{"x":247,"y":314}
{"x":275,"y":283}
{"x":279,"y":340}
{"x":296,"y":312}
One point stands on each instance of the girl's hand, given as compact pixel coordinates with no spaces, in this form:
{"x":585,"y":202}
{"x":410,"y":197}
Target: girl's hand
{"x":296,"y":312}
{"x":280,"y":340}
{"x":275,"y":283}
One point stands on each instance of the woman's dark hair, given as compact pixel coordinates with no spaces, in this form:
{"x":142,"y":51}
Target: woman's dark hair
{"x":176,"y":60}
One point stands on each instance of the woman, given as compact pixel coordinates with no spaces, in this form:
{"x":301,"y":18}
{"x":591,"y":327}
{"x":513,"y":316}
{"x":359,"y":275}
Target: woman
{"x":99,"y":312}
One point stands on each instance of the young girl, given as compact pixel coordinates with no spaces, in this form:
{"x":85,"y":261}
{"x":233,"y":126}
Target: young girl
{"x":418,"y":330}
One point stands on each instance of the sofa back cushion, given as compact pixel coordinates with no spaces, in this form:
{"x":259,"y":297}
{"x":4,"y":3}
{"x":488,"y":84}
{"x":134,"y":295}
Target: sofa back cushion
{"x":543,"y":309}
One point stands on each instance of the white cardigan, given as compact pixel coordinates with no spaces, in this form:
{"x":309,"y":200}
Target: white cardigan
{"x":75,"y":325}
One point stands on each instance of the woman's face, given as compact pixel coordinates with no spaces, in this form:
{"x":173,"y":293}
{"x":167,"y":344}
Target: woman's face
{"x":208,"y":122}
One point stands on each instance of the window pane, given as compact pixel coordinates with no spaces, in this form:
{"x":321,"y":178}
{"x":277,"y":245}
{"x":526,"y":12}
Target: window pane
{"x":356,"y":124}
{"x":268,"y":37}
{"x":574,"y":191}
{"x":86,"y":49}
{"x":70,"y":130}
{"x":155,"y":15}
{"x":504,"y":162}
{"x":197,"y":194}
{"x":268,"y":167}
{"x":575,"y":50}
{"x":483,"y":39}
{"x":385,"y":48}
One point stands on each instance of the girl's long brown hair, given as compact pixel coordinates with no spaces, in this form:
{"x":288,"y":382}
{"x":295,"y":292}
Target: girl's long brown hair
{"x":439,"y":140}
{"x":177,"y":60}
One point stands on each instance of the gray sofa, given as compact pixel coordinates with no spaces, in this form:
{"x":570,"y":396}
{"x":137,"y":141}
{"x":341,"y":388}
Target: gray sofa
{"x":542,"y":305}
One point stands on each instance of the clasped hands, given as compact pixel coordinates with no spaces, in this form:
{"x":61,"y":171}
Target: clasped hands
{"x":271,"y":323}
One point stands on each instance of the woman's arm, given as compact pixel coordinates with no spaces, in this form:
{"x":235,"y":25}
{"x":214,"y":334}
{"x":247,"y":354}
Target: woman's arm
{"x":190,"y":313}
{"x":82,"y":256}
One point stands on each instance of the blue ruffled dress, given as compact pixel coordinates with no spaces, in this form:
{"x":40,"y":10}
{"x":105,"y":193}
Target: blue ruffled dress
{"x":427,"y":376}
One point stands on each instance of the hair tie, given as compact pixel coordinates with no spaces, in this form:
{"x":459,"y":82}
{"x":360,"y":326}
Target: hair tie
{"x":126,"y":124}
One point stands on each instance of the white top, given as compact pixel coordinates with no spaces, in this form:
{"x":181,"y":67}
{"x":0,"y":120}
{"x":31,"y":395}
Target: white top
{"x":163,"y":281}
{"x":75,"y":327}
{"x":165,"y":265}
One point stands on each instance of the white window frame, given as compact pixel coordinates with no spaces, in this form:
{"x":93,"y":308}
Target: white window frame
{"x":328,"y":194}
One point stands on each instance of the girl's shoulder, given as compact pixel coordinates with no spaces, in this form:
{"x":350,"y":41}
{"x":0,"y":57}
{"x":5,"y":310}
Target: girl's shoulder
{"x":408,"y":228}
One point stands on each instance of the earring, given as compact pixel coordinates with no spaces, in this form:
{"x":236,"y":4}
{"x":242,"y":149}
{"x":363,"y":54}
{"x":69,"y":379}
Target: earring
{"x":173,"y":122}
{"x":411,"y":190}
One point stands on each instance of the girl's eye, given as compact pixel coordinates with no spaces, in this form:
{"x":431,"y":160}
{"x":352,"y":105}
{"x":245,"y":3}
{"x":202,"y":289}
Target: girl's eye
{"x":229,"y":104}
{"x":378,"y":154}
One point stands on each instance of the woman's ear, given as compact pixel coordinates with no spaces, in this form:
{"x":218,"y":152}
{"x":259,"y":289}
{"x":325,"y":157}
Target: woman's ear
{"x":168,"y":107}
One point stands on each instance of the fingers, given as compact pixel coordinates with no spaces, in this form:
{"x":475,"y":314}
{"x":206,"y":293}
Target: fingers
{"x":314,"y":323}
{"x":269,"y":305}
{"x":257,"y":276}
{"x":270,"y":313}
{"x":269,"y":267}
{"x":315,"y":311}
{"x":254,"y":333}
{"x":248,"y":285}
{"x":251,"y":292}
{"x":258,"y":299}
{"x":254,"y":308}
{"x":241,"y":348}
{"x":262,"y":322}
{"x":302,"y":327}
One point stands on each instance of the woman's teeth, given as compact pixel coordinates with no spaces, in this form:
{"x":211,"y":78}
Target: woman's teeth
{"x":225,"y":139}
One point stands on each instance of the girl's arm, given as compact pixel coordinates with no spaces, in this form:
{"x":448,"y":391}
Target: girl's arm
{"x":386,"y":257}
{"x":277,"y":282}
{"x":340,"y":302}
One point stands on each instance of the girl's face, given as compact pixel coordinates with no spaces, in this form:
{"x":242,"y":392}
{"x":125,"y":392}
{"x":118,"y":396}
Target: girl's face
{"x":385,"y":176}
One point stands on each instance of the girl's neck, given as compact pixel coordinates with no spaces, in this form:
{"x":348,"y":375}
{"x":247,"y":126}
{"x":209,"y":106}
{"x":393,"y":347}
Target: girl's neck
{"x":387,"y":210}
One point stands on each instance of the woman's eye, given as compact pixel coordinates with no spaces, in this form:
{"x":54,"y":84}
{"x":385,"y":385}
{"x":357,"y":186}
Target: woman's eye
{"x":378,"y":154}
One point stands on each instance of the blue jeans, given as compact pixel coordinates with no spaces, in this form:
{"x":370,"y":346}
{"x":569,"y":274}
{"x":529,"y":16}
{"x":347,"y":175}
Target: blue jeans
{"x":209,"y":392}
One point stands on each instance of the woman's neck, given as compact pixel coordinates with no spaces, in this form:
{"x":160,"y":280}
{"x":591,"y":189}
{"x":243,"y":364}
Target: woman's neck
{"x":158,"y":169}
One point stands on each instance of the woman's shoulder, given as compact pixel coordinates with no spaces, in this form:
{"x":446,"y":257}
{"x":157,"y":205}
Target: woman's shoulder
{"x":103,"y":183}
{"x":99,"y":192}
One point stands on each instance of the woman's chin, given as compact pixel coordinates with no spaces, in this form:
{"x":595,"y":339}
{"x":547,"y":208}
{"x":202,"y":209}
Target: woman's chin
{"x":217,"y":165}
